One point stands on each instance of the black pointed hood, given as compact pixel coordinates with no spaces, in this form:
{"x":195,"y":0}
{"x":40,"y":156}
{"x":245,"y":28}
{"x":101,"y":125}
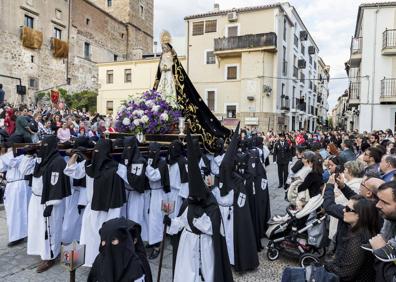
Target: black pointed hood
{"x":227,"y":164}
{"x":131,"y":152}
{"x":197,"y":187}
{"x":47,"y":152}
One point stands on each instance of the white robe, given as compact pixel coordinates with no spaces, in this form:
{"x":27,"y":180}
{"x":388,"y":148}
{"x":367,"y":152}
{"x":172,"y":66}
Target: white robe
{"x":152,"y":207}
{"x":179,"y":191}
{"x":134,"y":208}
{"x":16,"y":197}
{"x":72,"y":220}
{"x":37,"y":223}
{"x":92,"y":220}
{"x":226,"y":206}
{"x":195,"y":251}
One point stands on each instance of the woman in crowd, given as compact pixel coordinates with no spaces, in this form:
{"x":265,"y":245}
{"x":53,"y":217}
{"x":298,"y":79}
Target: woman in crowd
{"x":351,"y":262}
{"x":313,"y":181}
{"x":63,"y":133}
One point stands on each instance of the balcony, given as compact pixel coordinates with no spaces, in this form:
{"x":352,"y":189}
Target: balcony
{"x":388,"y":91}
{"x":389,"y":42}
{"x":295,"y":72}
{"x":231,"y":46}
{"x":354,"y":93}
{"x":302,"y":106}
{"x":319,"y":99}
{"x":356,"y":51}
{"x":285,"y":103}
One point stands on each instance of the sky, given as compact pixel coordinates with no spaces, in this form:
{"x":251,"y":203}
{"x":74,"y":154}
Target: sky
{"x":330,"y":22}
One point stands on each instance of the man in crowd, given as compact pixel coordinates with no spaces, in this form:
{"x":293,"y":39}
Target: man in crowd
{"x":282,"y":157}
{"x":347,"y":153}
{"x":388,"y":167}
{"x":372,"y":157}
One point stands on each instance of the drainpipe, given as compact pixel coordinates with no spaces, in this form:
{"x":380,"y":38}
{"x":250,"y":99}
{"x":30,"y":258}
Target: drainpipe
{"x":373,"y":72}
{"x":68,"y":41}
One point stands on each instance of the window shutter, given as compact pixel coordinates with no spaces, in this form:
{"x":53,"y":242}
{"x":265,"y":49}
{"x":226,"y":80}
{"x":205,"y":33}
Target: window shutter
{"x":198,"y":28}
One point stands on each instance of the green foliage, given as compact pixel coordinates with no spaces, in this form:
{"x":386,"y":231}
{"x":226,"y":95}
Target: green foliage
{"x":85,"y":99}
{"x":42,"y":96}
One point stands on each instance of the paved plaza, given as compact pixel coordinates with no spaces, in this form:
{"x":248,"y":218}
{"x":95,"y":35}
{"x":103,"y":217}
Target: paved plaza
{"x":17,"y":266}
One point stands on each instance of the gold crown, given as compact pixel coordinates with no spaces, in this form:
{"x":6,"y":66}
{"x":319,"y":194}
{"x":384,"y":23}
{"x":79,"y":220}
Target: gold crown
{"x":165,"y":37}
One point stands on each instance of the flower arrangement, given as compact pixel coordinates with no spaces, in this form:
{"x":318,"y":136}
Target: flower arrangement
{"x":150,"y":114}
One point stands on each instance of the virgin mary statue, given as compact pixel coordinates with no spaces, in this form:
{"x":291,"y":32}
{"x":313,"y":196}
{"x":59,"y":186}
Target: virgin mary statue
{"x":176,"y":87}
{"x":166,"y":84}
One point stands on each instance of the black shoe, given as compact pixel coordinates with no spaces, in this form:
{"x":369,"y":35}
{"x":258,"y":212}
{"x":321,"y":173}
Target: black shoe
{"x":17,"y":242}
{"x":154,"y":254}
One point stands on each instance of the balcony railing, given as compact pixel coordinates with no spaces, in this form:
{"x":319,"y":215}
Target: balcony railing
{"x":302,"y":106}
{"x":285,"y":103}
{"x":388,"y":88}
{"x":245,"y":41}
{"x":389,"y":38}
{"x":295,"y":72}
{"x":356,"y":45}
{"x":354,"y":90}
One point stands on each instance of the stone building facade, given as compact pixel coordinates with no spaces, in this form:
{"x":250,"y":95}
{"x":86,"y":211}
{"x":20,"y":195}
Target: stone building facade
{"x":92,"y":31}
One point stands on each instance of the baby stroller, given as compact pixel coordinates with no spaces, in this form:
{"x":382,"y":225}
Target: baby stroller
{"x":300,"y":234}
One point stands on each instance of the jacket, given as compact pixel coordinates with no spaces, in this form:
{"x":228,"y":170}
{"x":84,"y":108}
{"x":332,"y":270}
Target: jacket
{"x":282,"y":154}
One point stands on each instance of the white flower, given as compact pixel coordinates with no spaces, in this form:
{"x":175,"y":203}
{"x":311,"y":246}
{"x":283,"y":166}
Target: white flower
{"x":122,"y":108}
{"x":136,"y":122}
{"x":164,"y":117}
{"x":156,"y":108}
{"x":126,"y":121}
{"x":149,"y":103}
{"x":145,"y":119}
{"x":135,"y":112}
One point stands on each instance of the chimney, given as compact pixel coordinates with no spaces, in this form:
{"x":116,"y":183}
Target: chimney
{"x":216,"y":7}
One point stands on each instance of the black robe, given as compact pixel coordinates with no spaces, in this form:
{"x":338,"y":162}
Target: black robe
{"x":245,"y":246}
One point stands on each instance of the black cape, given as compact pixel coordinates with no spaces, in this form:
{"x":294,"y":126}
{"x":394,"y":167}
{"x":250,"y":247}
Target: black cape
{"x":108,"y":186}
{"x":136,"y":165}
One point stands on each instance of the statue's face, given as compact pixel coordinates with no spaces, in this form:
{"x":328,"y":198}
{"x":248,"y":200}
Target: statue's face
{"x":165,"y":48}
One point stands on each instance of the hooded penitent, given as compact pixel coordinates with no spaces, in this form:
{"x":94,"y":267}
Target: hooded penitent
{"x":109,"y":189}
{"x":80,"y":146}
{"x":135,"y":163}
{"x":227,"y":165}
{"x":219,"y":147}
{"x":50,"y":166}
{"x":202,"y":201}
{"x":154,"y":159}
{"x":119,"y":258}
{"x":175,"y":155}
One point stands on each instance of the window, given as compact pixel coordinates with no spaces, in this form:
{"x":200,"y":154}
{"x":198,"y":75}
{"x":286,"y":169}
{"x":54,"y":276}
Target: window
{"x":33,"y":83}
{"x":296,"y":40}
{"x":87,"y":21}
{"x":210,"y":26}
{"x":310,"y":60}
{"x":109,"y":76}
{"x":87,"y":50}
{"x":211,"y":100}
{"x":57,"y":33}
{"x":115,"y":58}
{"x":141,"y":11}
{"x":109,"y":3}
{"x":127,"y":75}
{"x":232,"y":72}
{"x":58,"y":14}
{"x":232,"y":31}
{"x":29,"y":21}
{"x":231,"y":111}
{"x":109,"y":107}
{"x":302,"y":49}
{"x":198,"y":28}
{"x":32,"y":59}
{"x":284,"y":29}
{"x":210,"y":58}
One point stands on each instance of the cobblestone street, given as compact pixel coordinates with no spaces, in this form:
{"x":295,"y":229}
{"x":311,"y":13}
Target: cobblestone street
{"x":16,"y":265}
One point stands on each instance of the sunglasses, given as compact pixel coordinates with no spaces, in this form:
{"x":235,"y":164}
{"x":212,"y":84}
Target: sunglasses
{"x":348,"y":209}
